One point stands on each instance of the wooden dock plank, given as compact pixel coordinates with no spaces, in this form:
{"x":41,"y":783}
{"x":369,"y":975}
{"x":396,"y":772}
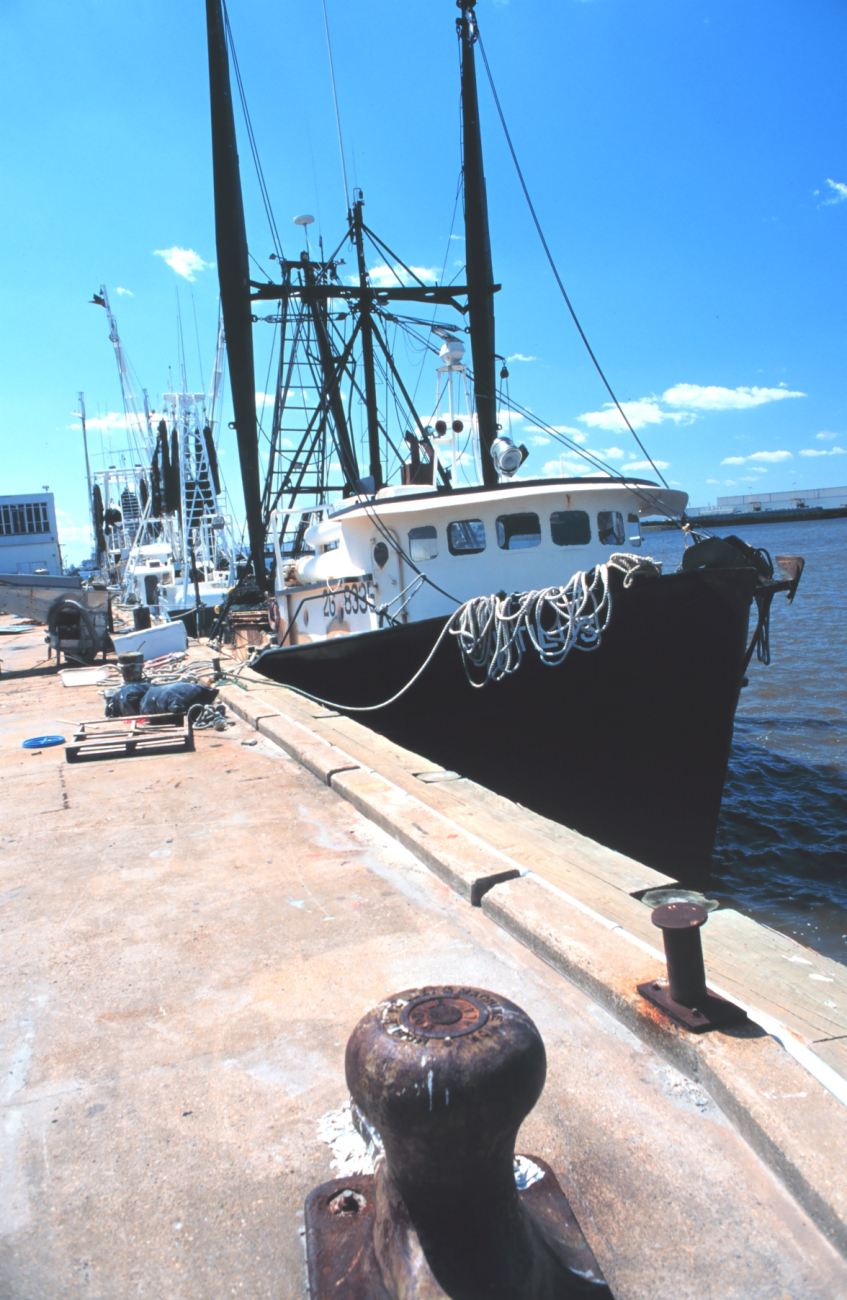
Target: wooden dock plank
{"x":793,"y":983}
{"x":834,"y":1052}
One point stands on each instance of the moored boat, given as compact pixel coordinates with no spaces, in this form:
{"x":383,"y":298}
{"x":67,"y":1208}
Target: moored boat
{"x":506,"y":627}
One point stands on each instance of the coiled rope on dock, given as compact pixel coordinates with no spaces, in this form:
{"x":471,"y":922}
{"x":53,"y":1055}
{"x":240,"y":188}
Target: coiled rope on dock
{"x":494,"y":631}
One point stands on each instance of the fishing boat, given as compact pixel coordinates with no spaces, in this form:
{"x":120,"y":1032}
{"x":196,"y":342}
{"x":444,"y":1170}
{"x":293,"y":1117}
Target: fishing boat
{"x":503,"y":625}
{"x":163,"y":537}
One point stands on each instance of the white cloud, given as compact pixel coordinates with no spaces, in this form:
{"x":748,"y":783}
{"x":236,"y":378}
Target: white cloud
{"x":686,"y":402}
{"x":645,"y":464}
{"x":389,"y":277}
{"x":823,"y":451}
{"x":562,"y":467}
{"x":184,"y":261}
{"x":772,"y":458}
{"x":264,"y":399}
{"x":612,"y":453}
{"x":826,"y":436}
{"x":575,"y":435}
{"x":537,"y":440}
{"x":645,"y":411}
{"x":126,"y":293}
{"x":73,"y":534}
{"x":113,"y":422}
{"x":730,"y":482}
{"x":838,"y":194}
{"x":519,"y":356}
{"x":714,"y":398}
{"x":716,"y":481}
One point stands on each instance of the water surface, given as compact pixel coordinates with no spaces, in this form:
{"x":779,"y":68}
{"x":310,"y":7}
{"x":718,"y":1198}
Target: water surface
{"x":781,"y":850}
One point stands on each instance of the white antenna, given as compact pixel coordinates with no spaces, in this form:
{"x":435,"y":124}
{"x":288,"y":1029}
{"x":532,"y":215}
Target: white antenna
{"x":305,"y":221}
{"x":337,"y":114}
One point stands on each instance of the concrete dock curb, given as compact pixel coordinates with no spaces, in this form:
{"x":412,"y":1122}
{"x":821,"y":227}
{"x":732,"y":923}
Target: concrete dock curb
{"x":453,"y":855}
{"x":785,"y":1114}
{"x":747,"y":1072}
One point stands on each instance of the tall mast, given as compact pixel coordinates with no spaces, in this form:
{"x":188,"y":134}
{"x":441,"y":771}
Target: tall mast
{"x":365,"y":305}
{"x":477,"y":250}
{"x":81,"y":414}
{"x":234,"y":277}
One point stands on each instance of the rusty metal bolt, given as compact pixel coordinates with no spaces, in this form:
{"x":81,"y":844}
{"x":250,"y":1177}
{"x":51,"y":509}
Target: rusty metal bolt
{"x":446,"y":1076}
{"x":680,"y":925}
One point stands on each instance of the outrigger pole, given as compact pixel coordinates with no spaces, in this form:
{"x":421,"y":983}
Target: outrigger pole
{"x":234,"y":278}
{"x":480,"y":288}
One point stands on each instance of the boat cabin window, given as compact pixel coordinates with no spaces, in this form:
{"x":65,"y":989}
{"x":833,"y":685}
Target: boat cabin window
{"x":518,"y":532}
{"x":610,"y":527}
{"x":466,"y":537}
{"x":570,"y":528}
{"x":634,"y":530}
{"x":423,"y":542}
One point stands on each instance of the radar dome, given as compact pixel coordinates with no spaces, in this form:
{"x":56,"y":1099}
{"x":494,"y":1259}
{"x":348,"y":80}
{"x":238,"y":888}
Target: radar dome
{"x":452,"y":351}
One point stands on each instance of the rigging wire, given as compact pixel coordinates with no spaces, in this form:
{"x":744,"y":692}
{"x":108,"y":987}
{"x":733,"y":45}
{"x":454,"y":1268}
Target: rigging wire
{"x":180,"y":341}
{"x":197,"y":337}
{"x":337,"y":114}
{"x":553,"y":267}
{"x":266,"y":200}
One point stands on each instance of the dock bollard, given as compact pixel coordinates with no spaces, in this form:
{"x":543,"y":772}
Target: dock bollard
{"x":685,"y":997}
{"x":445,"y":1076}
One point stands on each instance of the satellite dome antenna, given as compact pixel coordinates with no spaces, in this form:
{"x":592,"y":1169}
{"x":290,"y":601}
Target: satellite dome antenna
{"x":305,"y":220}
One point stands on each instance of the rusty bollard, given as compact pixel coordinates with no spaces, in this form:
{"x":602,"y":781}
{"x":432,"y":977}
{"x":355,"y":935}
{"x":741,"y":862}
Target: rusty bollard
{"x":445,"y":1076}
{"x":685,"y":997}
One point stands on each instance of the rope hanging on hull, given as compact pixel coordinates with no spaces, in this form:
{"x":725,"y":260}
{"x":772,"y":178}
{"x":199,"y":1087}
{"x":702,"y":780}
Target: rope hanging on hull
{"x":489,"y":632}
{"x":493,"y":631}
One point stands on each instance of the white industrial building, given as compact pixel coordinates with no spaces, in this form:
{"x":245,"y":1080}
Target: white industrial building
{"x":798,"y":499}
{"x":29,"y":539}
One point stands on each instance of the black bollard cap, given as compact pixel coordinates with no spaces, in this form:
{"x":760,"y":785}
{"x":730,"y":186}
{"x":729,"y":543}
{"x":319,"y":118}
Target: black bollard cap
{"x":680,"y":916}
{"x":445,"y":1073}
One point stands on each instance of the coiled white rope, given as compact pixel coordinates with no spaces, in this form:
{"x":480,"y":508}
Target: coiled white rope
{"x":493,"y":631}
{"x":489,"y":631}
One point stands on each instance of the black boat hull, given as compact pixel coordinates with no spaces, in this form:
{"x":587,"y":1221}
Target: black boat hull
{"x":627,"y":743}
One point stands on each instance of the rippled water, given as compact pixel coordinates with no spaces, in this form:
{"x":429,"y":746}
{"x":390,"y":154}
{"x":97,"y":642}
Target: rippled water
{"x":781,"y":851}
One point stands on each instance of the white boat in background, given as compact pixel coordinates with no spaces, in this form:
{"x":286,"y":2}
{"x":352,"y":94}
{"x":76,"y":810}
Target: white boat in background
{"x":163,"y":536}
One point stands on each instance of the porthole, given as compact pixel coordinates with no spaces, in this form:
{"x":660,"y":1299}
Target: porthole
{"x":423,"y":543}
{"x":466,"y":537}
{"x":610,"y":527}
{"x":570,"y":528}
{"x":518,"y":532}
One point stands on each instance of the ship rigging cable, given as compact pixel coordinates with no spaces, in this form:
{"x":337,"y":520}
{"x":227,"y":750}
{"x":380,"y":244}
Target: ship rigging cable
{"x":553,"y":268}
{"x":254,"y":149}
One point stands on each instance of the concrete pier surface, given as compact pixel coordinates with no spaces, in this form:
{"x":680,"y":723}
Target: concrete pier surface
{"x":186,"y":942}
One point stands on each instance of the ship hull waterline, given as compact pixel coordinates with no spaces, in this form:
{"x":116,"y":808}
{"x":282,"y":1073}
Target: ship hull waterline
{"x":627,"y":743}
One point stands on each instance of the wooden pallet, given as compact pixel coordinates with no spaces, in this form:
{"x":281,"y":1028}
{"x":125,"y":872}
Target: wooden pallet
{"x":164,"y":733}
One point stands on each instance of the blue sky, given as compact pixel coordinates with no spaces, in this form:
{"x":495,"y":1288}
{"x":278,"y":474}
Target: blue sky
{"x":688,"y":161}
